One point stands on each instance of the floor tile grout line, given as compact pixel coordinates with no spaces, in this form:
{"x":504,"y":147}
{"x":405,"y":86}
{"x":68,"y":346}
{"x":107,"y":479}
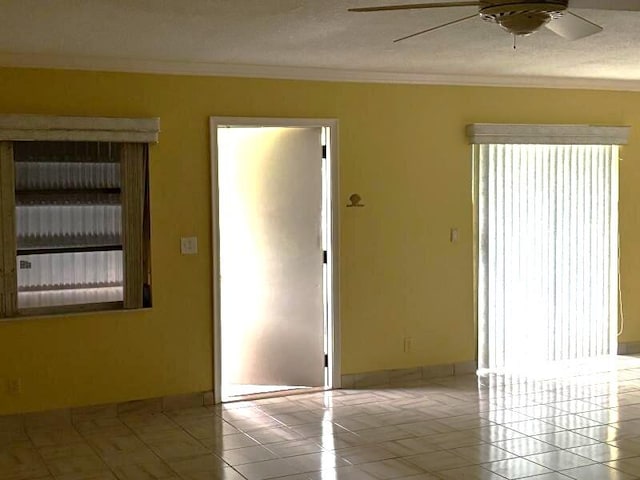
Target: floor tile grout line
{"x":37,"y":450}
{"x":115,"y":473}
{"x":132,"y":430}
{"x":227,"y":465}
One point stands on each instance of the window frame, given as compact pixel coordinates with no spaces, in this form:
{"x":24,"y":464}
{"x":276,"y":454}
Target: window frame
{"x":529,"y":134}
{"x":134,"y":135}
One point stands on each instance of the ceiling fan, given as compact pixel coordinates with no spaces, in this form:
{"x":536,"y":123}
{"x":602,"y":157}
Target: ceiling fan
{"x":523,"y":17}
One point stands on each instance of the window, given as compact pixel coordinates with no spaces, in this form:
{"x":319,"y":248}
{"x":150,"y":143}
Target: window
{"x":74,"y":225}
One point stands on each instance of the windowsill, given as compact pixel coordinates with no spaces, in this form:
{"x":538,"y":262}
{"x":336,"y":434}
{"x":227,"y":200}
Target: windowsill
{"x":58,"y":315}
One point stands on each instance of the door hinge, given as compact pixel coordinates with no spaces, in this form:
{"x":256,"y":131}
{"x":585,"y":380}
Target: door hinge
{"x":326,"y":360}
{"x":324,"y":257}
{"x":324,"y":152}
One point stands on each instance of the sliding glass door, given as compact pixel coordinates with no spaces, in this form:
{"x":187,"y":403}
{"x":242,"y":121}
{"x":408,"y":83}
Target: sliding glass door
{"x":547,"y":253}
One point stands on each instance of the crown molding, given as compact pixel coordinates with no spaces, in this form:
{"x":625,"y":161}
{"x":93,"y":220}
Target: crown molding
{"x":125,"y":65}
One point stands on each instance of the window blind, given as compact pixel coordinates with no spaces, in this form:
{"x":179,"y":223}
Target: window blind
{"x":547,"y":253}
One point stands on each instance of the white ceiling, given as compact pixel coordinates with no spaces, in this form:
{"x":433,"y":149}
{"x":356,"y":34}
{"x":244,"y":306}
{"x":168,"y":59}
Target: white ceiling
{"x":310,"y":39}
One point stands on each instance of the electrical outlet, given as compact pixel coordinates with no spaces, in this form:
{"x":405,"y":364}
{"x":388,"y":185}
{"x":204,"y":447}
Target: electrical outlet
{"x":14,"y":386}
{"x":407,"y":344}
{"x":189,"y":245}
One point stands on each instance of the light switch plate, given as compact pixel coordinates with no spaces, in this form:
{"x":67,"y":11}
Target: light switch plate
{"x":189,"y":245}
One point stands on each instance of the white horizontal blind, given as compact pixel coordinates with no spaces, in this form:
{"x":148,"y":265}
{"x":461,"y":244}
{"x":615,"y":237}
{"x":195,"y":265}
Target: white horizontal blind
{"x":547,"y":257}
{"x":77,"y":224}
{"x":68,"y":223}
{"x":69,"y":278}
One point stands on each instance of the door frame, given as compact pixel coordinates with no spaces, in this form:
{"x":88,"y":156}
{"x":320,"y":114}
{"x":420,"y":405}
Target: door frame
{"x":333,"y":252}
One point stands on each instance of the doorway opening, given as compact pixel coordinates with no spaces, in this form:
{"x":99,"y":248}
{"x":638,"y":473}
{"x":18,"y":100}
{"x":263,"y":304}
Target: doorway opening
{"x":275,"y":239}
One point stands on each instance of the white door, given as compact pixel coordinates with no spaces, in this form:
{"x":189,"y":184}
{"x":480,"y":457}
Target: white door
{"x":271,"y":256}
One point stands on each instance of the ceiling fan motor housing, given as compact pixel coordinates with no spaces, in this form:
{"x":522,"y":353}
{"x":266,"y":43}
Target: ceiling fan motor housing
{"x":523,"y":17}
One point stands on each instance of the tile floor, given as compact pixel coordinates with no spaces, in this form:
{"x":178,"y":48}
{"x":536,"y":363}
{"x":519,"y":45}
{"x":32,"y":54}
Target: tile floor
{"x":579,"y":424}
{"x":234,"y":391}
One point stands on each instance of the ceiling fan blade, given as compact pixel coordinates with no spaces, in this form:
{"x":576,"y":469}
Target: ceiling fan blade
{"x":623,"y":5}
{"x":573,"y":27}
{"x":415,"y":6}
{"x":435,"y":28}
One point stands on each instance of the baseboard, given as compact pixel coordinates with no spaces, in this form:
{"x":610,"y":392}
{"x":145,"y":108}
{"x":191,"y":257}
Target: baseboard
{"x":406,"y":375}
{"x":628,"y":348}
{"x":110,"y":410}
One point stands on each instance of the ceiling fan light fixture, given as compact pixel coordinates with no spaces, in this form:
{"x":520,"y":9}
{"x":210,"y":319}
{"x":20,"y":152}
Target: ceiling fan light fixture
{"x":523,"y":25}
{"x":523,"y":18}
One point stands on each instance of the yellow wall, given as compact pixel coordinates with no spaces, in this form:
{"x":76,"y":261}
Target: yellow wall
{"x":402,"y":148}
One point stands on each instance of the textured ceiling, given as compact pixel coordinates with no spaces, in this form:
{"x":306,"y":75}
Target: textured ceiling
{"x":295,"y":35}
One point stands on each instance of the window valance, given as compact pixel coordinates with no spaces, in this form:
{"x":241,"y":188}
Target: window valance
{"x":78,"y":129}
{"x":495,"y":133}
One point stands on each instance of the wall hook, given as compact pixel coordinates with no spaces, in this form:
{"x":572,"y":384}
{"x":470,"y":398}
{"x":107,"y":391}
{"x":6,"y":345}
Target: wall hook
{"x":355,"y":201}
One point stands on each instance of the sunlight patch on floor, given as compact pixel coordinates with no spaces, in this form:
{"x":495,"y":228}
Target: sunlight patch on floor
{"x":236,"y":390}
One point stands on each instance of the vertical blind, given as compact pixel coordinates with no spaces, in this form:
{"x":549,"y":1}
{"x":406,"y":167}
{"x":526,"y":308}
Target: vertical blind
{"x":547,"y":253}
